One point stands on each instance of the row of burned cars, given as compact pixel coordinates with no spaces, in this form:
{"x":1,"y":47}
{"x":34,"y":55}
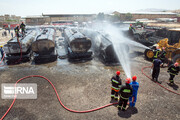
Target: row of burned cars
{"x":43,"y":44}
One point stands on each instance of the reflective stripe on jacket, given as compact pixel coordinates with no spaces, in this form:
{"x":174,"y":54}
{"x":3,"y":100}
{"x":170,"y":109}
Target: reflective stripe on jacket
{"x":116,"y":82}
{"x":173,"y":70}
{"x":125,"y":91}
{"x":156,"y":52}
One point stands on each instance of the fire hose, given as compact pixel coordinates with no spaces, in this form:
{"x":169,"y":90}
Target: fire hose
{"x":2,"y":60}
{"x":75,"y":111}
{"x":157,"y":82}
{"x":86,"y":111}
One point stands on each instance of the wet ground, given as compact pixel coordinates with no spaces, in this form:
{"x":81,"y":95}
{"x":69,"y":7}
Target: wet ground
{"x":84,"y":86}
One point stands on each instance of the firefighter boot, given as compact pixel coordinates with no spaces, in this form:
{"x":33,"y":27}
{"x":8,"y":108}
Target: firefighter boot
{"x":119,"y":107}
{"x":171,"y":83}
{"x":158,"y":81}
{"x":123,"y":109}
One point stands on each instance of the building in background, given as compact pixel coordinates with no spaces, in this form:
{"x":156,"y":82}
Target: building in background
{"x":48,"y":19}
{"x":141,"y":15}
{"x":9,"y":19}
{"x":35,"y":20}
{"x":66,"y":17}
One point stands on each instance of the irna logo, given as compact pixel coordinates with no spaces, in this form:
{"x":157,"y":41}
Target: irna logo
{"x":22,"y":91}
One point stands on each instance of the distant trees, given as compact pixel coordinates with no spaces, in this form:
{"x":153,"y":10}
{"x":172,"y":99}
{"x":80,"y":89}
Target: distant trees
{"x":128,"y":16}
{"x":116,"y":17}
{"x":100,"y":16}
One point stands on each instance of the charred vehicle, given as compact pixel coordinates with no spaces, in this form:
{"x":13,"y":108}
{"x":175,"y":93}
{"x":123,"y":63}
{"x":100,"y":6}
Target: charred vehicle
{"x":44,"y":46}
{"x":145,"y":35}
{"x":78,"y":45}
{"x":101,"y":46}
{"x":21,"y":49}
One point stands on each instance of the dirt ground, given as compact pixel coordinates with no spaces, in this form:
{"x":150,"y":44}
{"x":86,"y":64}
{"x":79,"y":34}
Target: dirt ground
{"x":84,"y":86}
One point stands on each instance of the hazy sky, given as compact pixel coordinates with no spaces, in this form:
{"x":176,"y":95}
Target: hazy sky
{"x":37,"y":7}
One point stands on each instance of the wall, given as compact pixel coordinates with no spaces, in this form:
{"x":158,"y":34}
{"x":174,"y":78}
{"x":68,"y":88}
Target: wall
{"x":148,"y":16}
{"x":35,"y":21}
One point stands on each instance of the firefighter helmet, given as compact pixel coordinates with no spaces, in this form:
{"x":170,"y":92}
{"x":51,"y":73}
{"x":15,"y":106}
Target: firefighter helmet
{"x":118,"y":73}
{"x":134,"y":78}
{"x":176,"y":64}
{"x":128,"y":80}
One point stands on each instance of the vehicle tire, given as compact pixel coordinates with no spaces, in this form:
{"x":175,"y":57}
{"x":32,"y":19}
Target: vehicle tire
{"x":176,"y":58}
{"x":149,"y":54}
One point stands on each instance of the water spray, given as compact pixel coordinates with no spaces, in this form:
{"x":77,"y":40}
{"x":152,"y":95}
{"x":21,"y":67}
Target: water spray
{"x":120,"y":47}
{"x":121,"y":44}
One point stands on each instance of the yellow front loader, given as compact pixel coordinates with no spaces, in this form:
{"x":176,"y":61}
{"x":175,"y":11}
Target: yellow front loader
{"x":171,"y":44}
